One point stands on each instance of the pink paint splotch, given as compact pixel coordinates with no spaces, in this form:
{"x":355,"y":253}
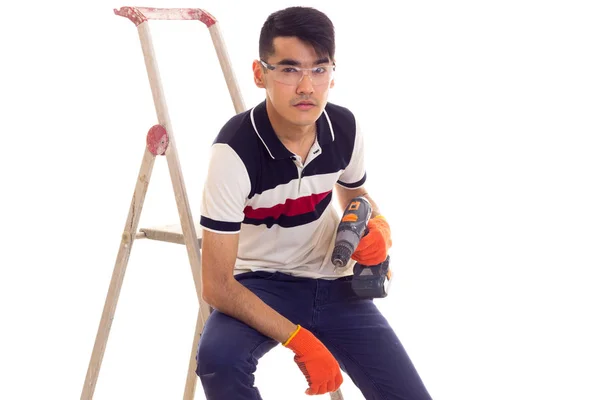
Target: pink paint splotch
{"x":157,"y":140}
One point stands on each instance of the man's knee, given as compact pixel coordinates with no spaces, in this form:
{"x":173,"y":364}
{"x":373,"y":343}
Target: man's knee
{"x":220,"y":359}
{"x":228,"y":348}
{"x":210,"y":359}
{"x":226,"y":372}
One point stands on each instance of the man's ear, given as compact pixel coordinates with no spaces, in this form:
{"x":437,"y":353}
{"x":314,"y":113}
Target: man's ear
{"x":258,"y":74}
{"x":332,"y":84}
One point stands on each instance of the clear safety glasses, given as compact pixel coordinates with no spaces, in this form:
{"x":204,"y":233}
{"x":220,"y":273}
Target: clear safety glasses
{"x":292,"y":75}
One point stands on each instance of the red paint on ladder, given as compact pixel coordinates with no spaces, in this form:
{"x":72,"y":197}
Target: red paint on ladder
{"x":132,"y":13}
{"x":205,"y":18}
{"x":138,"y":15}
{"x":157,"y":140}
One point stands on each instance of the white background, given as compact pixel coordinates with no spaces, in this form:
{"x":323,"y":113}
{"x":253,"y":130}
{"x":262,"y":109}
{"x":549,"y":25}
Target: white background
{"x":482,"y":124}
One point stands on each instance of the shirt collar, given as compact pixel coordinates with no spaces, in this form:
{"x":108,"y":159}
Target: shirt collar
{"x":276,"y":149}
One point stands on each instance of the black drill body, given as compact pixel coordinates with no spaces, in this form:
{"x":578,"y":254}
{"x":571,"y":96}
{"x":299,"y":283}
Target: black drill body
{"x":369,"y":281}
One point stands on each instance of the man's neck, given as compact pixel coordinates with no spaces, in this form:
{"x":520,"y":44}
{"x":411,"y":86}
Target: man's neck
{"x":298,"y":139}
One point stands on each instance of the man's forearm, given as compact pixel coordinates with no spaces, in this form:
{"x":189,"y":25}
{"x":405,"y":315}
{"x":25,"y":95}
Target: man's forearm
{"x":238,"y":302}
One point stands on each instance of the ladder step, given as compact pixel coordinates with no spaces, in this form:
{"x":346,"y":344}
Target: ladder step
{"x":168,"y":233}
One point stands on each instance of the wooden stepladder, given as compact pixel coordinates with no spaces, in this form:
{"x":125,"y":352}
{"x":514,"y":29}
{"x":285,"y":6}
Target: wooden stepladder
{"x":160,"y":141}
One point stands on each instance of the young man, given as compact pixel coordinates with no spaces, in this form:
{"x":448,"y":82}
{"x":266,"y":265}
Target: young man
{"x":269,"y":226}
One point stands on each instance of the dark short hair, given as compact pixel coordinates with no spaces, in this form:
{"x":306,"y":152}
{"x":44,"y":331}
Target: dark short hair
{"x":307,"y":24}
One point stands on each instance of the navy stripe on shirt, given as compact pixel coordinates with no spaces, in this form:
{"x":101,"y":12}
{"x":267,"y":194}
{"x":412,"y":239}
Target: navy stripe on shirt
{"x":219,"y":225}
{"x":290,"y":219}
{"x":354,"y":185}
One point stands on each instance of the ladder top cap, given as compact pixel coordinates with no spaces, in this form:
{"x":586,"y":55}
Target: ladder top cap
{"x":139,"y":15}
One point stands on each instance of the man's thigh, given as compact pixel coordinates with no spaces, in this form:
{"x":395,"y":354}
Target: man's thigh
{"x":227,"y":357}
{"x":226,"y":340}
{"x":367,"y":348}
{"x":234,"y":339}
{"x":229,"y":350}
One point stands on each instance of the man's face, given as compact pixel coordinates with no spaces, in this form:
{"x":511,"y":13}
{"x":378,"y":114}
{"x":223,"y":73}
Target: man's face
{"x":296,"y":101}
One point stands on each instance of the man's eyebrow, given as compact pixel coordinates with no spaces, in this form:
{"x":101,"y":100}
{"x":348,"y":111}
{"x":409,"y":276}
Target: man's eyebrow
{"x":288,"y":61}
{"x":296,"y":63}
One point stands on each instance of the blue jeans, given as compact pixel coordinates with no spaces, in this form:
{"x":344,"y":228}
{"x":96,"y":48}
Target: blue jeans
{"x":353,"y":330}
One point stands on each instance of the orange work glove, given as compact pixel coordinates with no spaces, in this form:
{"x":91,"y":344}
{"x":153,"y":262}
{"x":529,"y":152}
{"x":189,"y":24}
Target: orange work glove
{"x":373,"y":247}
{"x":321,"y":370}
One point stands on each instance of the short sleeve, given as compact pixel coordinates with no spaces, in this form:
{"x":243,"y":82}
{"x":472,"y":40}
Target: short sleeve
{"x":355,"y":175}
{"x":225,"y":192}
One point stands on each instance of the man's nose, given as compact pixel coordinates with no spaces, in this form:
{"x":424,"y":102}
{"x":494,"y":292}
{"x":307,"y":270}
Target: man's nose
{"x":305,"y":85}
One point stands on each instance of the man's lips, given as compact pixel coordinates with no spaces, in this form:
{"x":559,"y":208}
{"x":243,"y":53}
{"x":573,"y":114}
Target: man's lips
{"x":304,"y":105}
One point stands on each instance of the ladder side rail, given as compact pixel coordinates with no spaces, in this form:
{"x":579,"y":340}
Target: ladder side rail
{"x":116,"y":282}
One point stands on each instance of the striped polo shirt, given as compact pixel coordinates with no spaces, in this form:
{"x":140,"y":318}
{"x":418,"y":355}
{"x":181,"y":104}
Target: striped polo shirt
{"x":281,"y":205}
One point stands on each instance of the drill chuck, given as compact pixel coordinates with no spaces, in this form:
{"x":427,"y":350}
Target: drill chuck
{"x":341,"y":253}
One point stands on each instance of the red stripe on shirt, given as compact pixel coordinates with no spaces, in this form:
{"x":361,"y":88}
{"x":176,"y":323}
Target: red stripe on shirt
{"x":301,"y":205}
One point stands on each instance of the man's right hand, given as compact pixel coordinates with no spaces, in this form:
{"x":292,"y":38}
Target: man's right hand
{"x":320,"y":368}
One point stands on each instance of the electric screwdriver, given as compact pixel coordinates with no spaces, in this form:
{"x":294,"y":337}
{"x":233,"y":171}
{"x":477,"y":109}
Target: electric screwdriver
{"x":368,"y":280}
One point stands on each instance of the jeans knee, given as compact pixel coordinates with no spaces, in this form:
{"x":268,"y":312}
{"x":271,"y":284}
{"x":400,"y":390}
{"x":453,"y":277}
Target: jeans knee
{"x":222,"y":361}
{"x":211,"y":360}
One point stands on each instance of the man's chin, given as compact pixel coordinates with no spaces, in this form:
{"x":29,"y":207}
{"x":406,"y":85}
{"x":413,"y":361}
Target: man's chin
{"x":306,"y":121}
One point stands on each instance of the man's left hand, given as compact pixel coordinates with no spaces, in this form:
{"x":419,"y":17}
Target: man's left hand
{"x":373,"y":247}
